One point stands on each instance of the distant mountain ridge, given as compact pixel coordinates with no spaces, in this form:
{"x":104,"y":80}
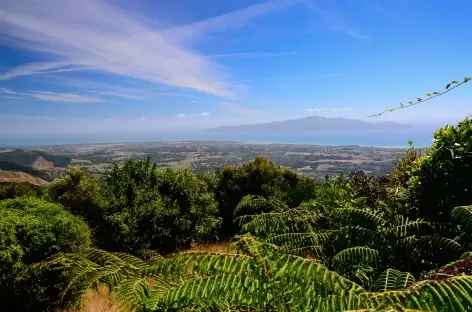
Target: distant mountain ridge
{"x":313,"y":123}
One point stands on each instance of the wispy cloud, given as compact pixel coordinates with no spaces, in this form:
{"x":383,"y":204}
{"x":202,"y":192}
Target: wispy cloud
{"x":64,"y":97}
{"x":7,"y":91}
{"x":222,"y":23}
{"x":204,"y":114}
{"x":321,"y":109}
{"x":334,"y":21}
{"x":238,"y":109}
{"x":10,"y":97}
{"x":254,"y":54}
{"x":94,"y":35}
{"x":37,"y":68}
{"x":48,"y":96}
{"x":181,"y":115}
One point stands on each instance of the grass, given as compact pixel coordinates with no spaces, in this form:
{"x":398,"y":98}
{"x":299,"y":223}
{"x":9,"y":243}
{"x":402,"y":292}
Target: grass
{"x":222,"y":247}
{"x":96,"y":301}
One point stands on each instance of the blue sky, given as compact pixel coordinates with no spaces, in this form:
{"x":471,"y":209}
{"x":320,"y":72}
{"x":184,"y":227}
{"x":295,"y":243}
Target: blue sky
{"x":145,"y":65}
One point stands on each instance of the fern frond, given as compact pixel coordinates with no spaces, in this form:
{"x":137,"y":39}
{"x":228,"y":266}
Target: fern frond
{"x":453,"y":294}
{"x":392,"y":279}
{"x":463,"y":216}
{"x":268,"y":224}
{"x":301,"y":243}
{"x":254,"y":204}
{"x":360,"y":217}
{"x":356,"y":255}
{"x":438,"y":244}
{"x":409,"y":227}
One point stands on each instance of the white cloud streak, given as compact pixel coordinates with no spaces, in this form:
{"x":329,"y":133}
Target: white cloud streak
{"x":10,"y":97}
{"x":204,"y":114}
{"x":63,"y":97}
{"x":48,"y":96}
{"x":254,"y":54}
{"x":180,"y":115}
{"x":7,"y":91}
{"x":94,"y":35}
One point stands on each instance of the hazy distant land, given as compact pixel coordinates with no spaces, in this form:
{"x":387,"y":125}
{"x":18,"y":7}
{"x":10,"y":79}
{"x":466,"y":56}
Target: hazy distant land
{"x":317,"y":161}
{"x":313,"y":123}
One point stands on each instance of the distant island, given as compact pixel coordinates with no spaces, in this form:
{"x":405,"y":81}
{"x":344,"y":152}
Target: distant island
{"x":313,"y":123}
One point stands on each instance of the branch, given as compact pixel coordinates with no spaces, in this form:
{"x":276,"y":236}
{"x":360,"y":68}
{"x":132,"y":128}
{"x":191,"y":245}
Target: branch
{"x":430,"y":97}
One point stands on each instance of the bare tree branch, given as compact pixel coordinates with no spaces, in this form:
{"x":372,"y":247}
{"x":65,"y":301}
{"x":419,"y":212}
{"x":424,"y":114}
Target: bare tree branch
{"x":430,"y":96}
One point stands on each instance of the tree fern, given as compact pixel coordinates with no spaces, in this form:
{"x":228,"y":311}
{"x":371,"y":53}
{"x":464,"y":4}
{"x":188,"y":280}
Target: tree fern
{"x":267,"y":280}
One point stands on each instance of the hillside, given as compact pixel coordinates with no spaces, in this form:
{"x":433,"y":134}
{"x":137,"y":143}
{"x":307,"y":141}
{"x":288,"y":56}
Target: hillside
{"x":21,"y":177}
{"x":313,"y":123}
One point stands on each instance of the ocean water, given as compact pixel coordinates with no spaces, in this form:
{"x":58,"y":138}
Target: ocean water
{"x":378,"y":138}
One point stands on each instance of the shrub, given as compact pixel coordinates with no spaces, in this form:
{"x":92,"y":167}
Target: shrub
{"x":442,"y":178}
{"x":81,"y":195}
{"x":260,"y":177}
{"x":31,"y":230}
{"x":152,"y":209}
{"x":14,"y":190}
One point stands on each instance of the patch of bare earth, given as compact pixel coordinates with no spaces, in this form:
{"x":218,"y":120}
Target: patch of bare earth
{"x":43,"y":164}
{"x":21,"y":177}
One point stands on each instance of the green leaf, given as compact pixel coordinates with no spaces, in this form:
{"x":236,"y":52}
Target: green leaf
{"x":455,"y":82}
{"x":410,"y":102}
{"x":420,"y":99}
{"x":428,"y":94}
{"x":436,"y":92}
{"x":401,"y":105}
{"x":466,"y":79}
{"x":448,"y":85}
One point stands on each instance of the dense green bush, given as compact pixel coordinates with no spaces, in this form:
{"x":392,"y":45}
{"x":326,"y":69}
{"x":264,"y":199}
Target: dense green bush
{"x":31,"y":230}
{"x":14,"y":190}
{"x":152,"y":209}
{"x":81,"y":195}
{"x":260,"y":177}
{"x":442,"y":178}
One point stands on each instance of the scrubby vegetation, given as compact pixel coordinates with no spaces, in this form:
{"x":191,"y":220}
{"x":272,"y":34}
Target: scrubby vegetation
{"x":355,"y":242}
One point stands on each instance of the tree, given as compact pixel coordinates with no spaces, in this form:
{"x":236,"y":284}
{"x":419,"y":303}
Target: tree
{"x":14,"y":190}
{"x":260,"y":178}
{"x":82,"y":196}
{"x":164,"y":210}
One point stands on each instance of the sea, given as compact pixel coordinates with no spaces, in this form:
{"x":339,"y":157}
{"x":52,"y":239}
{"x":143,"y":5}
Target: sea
{"x":378,"y":138}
